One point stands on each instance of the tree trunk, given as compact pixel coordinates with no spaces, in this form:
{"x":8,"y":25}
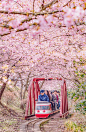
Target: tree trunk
{"x":26,"y":85}
{"x":2,"y":90}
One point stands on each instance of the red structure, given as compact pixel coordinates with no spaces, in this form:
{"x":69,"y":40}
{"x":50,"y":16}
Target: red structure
{"x":34,"y":91}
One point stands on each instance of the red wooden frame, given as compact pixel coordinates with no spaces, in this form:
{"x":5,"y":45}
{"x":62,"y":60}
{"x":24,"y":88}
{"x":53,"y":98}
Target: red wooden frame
{"x":34,"y":91}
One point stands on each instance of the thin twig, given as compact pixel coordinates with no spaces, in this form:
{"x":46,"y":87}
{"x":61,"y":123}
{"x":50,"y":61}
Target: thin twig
{"x":33,"y":5}
{"x":49,"y":4}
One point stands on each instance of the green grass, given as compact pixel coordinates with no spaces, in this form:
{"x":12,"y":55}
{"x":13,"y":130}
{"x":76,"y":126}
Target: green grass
{"x":45,"y":122}
{"x":7,"y":125}
{"x":73,"y":127}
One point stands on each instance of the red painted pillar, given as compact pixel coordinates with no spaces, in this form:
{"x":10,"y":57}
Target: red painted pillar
{"x":38,"y":88}
{"x":64,"y":101}
{"x":36,"y":83}
{"x":61,"y":104}
{"x":30,"y":101}
{"x":33,"y":96}
{"x":64,"y":98}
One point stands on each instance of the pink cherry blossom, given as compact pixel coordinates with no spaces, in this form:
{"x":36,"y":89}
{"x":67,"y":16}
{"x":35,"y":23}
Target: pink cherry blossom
{"x":14,"y":23}
{"x":44,"y":44}
{"x":42,"y":21}
{"x":79,"y":13}
{"x":49,"y":19}
{"x":68,"y":21}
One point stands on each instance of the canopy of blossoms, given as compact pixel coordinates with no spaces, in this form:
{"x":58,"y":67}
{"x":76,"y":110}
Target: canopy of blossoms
{"x":42,"y":38}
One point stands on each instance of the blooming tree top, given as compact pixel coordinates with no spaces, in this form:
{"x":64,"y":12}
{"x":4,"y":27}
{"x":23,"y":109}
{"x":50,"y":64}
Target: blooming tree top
{"x":43,"y":37}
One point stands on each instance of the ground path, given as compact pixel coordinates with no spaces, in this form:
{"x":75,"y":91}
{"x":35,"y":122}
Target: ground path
{"x":11,"y":122}
{"x":54,"y":125}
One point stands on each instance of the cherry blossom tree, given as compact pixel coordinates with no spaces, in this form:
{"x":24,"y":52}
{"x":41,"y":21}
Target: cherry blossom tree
{"x":41,"y":39}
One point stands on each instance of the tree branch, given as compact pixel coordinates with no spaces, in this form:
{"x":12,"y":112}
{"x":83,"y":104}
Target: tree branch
{"x":29,"y":13}
{"x":36,"y":13}
{"x":15,"y":12}
{"x":42,"y":6}
{"x":51,"y":3}
{"x":48,"y":5}
{"x":33,"y":5}
{"x":67,"y":3}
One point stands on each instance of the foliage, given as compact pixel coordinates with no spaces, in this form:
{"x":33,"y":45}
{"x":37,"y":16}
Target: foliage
{"x":72,"y":127}
{"x":9,"y":122}
{"x":45,"y":122}
{"x":79,"y":94}
{"x":81,"y":106}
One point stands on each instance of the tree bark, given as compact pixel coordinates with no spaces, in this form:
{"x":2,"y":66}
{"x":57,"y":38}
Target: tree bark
{"x":21,"y":85}
{"x":26,"y":85}
{"x":3,"y":88}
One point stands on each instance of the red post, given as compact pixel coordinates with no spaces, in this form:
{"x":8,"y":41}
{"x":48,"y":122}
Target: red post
{"x":36,"y":89}
{"x":33,"y":96}
{"x":64,"y":97}
{"x":61,"y":104}
{"x":64,"y":101}
{"x":30,"y":102}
